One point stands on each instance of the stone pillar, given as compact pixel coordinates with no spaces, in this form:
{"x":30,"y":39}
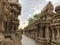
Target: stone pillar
{"x":58,"y":33}
{"x":53,"y":38}
{"x":41,"y":32}
{"x":47,"y":32}
{"x":36,"y":34}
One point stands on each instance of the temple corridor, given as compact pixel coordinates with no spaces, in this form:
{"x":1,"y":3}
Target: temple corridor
{"x":28,"y":41}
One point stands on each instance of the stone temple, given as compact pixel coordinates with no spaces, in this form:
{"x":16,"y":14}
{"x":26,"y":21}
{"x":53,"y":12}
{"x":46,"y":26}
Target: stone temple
{"x":46,"y":30}
{"x":9,"y":32}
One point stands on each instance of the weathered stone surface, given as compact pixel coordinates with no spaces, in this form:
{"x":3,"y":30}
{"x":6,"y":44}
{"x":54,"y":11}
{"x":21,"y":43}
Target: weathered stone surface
{"x":9,"y":12}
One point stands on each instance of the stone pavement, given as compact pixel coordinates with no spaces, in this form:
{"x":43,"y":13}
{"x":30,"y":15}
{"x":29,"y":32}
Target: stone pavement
{"x":28,"y":41}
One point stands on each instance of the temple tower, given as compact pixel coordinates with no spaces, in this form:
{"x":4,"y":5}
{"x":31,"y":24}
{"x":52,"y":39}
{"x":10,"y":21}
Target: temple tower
{"x":46,"y":18}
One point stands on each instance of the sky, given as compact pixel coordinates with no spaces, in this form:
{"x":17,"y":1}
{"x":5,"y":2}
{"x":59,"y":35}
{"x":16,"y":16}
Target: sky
{"x":31,"y":7}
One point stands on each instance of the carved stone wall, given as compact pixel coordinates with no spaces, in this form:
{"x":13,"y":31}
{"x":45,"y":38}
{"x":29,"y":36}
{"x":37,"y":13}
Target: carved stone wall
{"x":9,"y":32}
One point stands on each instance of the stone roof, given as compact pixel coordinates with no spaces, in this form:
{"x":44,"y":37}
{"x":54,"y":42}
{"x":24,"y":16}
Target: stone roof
{"x":48,"y":6}
{"x":57,"y":8}
{"x":33,"y":24}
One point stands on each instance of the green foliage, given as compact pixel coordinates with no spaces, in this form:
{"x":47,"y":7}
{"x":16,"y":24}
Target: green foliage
{"x":30,"y":20}
{"x":35,"y":17}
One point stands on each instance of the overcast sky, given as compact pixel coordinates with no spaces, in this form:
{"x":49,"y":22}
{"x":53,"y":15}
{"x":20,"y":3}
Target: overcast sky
{"x":31,"y":7}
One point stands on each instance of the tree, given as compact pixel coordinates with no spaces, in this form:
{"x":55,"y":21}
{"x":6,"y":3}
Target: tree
{"x":30,"y":20}
{"x":36,"y":16}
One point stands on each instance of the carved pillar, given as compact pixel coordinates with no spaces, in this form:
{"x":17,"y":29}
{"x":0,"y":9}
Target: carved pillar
{"x":53,"y":37}
{"x":41,"y":32}
{"x":47,"y":32}
{"x":36,"y":33}
{"x":57,"y":33}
